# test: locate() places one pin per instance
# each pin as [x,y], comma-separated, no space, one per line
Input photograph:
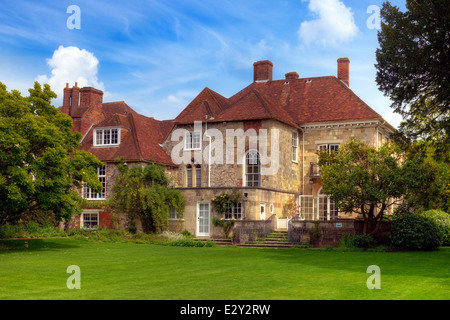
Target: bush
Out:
[415,232]
[362,241]
[8,231]
[191,243]
[442,220]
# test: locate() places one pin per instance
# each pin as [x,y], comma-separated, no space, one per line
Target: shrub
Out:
[442,220]
[414,232]
[362,241]
[191,243]
[8,231]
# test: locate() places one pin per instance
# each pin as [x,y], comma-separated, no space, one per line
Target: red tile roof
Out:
[294,102]
[141,136]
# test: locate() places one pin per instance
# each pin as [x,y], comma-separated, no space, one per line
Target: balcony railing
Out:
[314,170]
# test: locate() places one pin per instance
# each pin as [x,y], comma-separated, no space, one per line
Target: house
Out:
[260,142]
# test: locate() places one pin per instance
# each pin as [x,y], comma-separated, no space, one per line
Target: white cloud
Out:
[334,24]
[70,65]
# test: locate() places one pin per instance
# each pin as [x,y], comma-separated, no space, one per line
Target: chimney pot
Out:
[343,70]
[262,71]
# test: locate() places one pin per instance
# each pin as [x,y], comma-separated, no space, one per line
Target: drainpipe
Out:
[303,160]
[209,151]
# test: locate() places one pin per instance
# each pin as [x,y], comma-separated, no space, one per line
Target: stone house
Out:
[261,142]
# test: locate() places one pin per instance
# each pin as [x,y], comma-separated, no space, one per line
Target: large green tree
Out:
[145,193]
[40,167]
[413,64]
[368,180]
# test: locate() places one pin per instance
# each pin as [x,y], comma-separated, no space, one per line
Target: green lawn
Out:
[156,272]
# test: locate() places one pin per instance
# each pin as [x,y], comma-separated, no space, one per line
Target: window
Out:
[295,146]
[189,175]
[173,214]
[380,139]
[198,176]
[91,194]
[107,137]
[307,207]
[193,140]
[252,169]
[90,220]
[329,148]
[235,212]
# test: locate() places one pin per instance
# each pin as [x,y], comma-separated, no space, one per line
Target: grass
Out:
[36,269]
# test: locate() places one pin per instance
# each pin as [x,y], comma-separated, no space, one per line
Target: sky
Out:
[158,55]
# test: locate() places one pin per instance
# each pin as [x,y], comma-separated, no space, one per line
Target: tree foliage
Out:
[39,163]
[145,193]
[363,180]
[412,68]
[367,180]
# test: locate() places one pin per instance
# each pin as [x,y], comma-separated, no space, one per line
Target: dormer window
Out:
[106,137]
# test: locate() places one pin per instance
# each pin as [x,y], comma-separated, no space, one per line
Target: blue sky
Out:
[158,55]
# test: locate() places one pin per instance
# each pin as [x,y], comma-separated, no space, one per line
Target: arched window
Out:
[189,175]
[252,169]
[198,176]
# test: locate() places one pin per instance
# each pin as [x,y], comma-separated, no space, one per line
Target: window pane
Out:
[114,136]
[106,136]
[189,176]
[198,176]
[99,137]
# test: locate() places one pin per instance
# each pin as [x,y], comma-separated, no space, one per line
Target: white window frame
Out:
[295,146]
[193,140]
[101,134]
[254,165]
[89,194]
[90,213]
[236,212]
[328,147]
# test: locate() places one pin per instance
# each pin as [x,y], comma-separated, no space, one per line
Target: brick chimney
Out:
[262,71]
[91,97]
[291,76]
[343,70]
[71,99]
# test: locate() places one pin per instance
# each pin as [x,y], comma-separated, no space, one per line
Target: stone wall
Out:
[329,233]
[252,230]
[229,172]
[320,233]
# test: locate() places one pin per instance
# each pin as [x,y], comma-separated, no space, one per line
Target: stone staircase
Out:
[276,239]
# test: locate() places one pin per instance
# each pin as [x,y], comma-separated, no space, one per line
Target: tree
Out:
[428,177]
[145,193]
[363,180]
[40,167]
[413,64]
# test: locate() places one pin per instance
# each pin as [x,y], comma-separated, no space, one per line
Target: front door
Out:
[262,211]
[203,216]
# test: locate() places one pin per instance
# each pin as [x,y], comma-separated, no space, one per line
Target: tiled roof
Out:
[294,102]
[141,136]
[207,103]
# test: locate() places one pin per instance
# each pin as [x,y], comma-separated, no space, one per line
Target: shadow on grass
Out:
[17,245]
